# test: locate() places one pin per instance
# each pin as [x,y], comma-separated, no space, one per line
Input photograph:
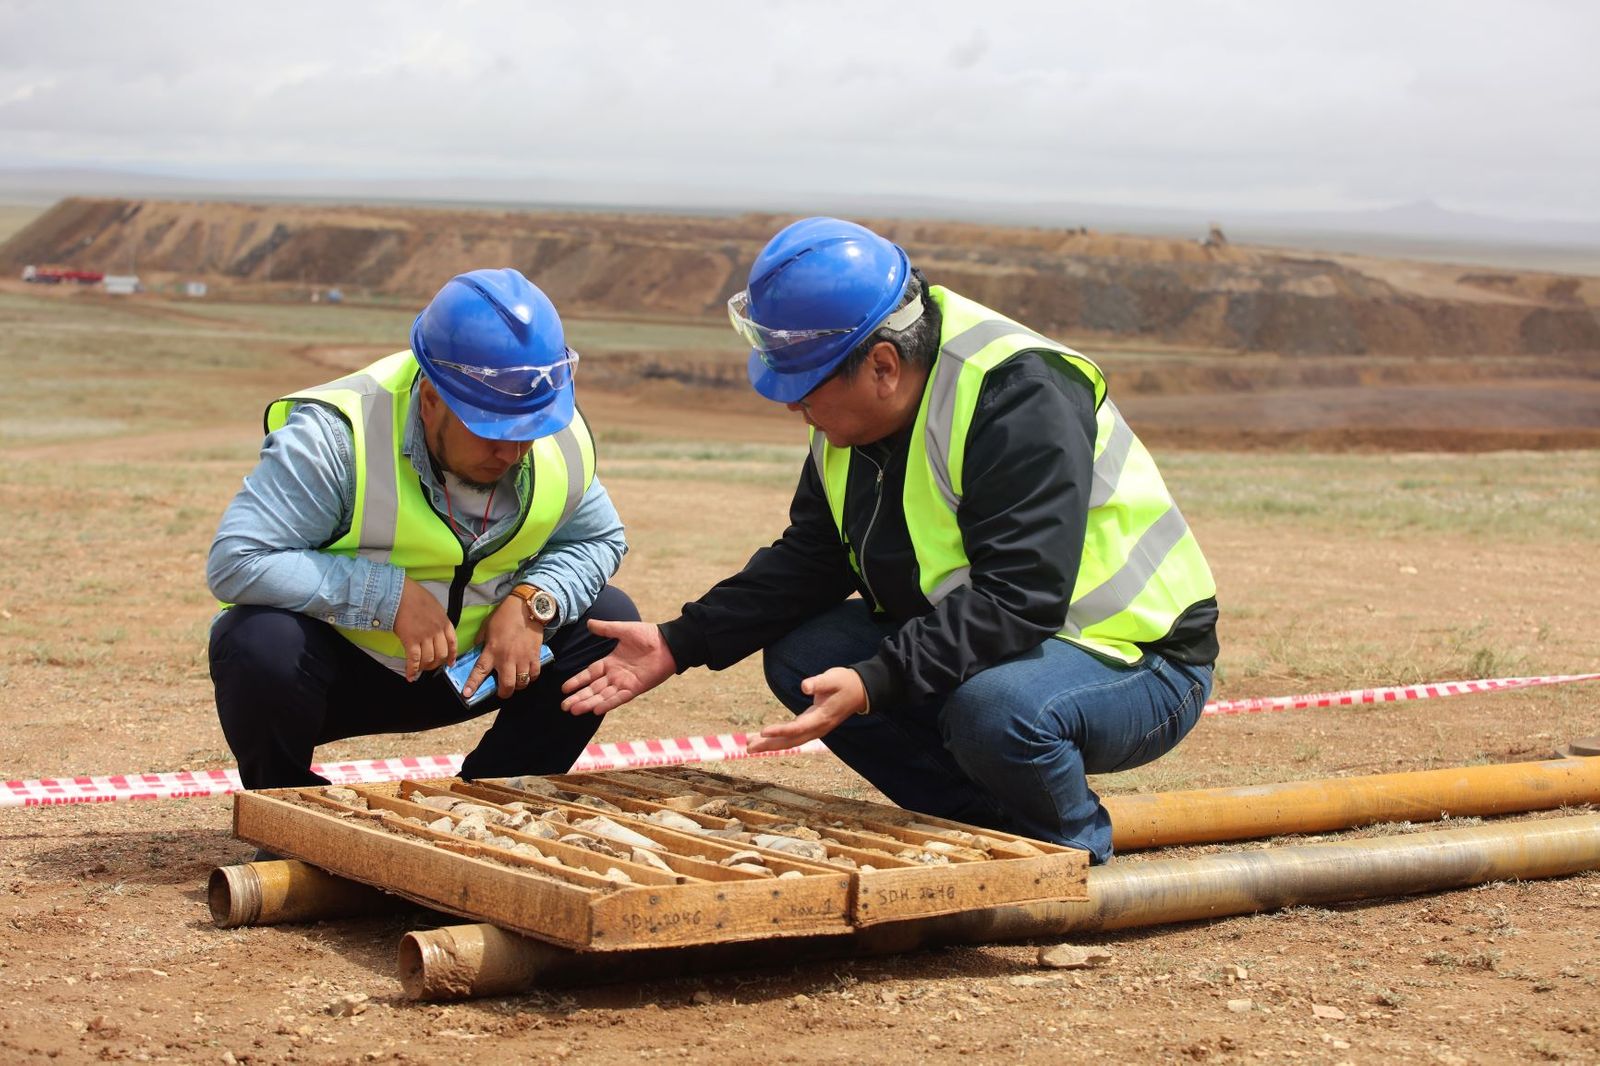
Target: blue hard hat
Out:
[493,346]
[818,289]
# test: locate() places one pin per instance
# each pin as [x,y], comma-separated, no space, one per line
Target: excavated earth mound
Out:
[1207,294]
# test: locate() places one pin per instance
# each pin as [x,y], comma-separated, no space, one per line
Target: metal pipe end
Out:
[429,968]
[234,895]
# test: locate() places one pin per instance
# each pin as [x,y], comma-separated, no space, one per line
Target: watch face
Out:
[544,606]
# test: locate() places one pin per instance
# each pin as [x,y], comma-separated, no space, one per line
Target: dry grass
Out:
[131,422]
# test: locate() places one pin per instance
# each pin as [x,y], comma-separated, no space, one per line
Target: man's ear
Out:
[884,362]
[430,400]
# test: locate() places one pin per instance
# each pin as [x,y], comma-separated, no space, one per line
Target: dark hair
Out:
[917,344]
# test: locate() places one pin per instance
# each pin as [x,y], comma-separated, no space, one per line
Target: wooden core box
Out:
[656,857]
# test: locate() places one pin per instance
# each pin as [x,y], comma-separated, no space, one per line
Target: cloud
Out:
[969,53]
[1481,105]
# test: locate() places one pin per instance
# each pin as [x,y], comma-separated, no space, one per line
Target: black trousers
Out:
[286,682]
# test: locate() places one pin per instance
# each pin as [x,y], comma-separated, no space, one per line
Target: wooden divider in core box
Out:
[906,865]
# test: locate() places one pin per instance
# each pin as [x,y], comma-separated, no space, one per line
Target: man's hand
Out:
[511,643]
[424,630]
[638,663]
[836,694]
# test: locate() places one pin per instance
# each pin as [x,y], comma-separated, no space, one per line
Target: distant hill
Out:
[1422,230]
[1206,294]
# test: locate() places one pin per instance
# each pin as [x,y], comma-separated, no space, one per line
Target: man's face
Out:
[478,461]
[860,408]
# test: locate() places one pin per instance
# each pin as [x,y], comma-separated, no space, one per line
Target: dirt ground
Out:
[1336,571]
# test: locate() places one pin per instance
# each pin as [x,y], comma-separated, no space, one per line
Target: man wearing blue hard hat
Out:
[985,591]
[441,500]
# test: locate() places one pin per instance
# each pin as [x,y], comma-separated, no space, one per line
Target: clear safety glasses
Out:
[519,380]
[763,339]
[769,341]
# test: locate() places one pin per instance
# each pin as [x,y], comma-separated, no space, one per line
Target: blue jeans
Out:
[1010,746]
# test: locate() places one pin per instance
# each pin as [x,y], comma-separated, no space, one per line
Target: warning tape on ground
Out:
[666,751]
[627,754]
[1352,698]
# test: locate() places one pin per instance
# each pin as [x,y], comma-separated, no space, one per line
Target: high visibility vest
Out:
[1141,567]
[394,522]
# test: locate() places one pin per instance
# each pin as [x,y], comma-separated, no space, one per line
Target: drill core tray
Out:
[761,860]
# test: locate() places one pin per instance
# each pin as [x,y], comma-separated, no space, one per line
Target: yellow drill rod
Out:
[1213,815]
[287,890]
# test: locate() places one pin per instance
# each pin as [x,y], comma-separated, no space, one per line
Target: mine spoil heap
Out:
[1208,294]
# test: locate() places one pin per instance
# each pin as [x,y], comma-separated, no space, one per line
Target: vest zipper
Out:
[877,505]
[458,588]
[463,574]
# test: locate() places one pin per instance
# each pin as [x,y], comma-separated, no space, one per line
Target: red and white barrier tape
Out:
[667,751]
[1433,690]
[627,754]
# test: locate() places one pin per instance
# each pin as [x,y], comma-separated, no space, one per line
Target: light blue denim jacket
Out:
[301,496]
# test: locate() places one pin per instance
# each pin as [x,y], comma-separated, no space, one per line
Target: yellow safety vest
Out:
[393,522]
[1141,567]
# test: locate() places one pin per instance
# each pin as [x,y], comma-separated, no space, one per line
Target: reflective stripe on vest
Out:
[393,521]
[1141,566]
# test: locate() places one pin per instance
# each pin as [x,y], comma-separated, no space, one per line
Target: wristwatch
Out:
[542,607]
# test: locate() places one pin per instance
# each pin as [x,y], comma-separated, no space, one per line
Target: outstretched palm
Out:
[638,663]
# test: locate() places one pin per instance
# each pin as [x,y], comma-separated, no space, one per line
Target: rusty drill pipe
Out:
[1214,815]
[287,890]
[460,962]
[1131,895]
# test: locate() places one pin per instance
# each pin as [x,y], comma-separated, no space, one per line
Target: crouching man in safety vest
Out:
[441,499]
[1033,606]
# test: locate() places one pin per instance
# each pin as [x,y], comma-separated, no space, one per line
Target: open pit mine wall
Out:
[1063,282]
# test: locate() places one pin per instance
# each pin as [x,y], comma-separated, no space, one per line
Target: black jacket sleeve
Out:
[1026,479]
[803,572]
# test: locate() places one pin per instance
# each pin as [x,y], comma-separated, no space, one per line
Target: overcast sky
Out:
[1490,107]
